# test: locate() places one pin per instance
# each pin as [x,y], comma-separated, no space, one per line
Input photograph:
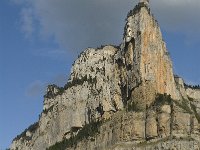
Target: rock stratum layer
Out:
[120,98]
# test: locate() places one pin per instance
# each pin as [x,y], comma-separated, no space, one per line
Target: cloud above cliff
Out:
[35,88]
[38,87]
[77,24]
[178,15]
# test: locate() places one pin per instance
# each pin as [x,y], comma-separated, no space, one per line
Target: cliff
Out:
[120,97]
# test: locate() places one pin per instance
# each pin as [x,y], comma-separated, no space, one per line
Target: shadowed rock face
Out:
[120,85]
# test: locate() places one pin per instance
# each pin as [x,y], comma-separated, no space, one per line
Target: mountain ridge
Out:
[124,97]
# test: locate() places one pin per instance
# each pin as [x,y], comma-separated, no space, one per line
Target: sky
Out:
[40,39]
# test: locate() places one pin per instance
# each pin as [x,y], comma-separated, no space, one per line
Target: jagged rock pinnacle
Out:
[128,94]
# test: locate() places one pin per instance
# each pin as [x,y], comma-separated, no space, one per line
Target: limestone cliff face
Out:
[92,92]
[127,89]
[146,57]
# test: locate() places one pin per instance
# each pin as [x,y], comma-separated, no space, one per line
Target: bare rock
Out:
[118,86]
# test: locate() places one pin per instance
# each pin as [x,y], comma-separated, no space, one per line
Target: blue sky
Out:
[39,41]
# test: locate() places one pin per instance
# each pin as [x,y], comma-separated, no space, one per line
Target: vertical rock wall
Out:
[102,85]
[146,57]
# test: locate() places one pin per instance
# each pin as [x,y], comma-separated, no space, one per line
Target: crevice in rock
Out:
[171,119]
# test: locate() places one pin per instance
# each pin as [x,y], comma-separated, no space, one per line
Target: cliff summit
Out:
[120,98]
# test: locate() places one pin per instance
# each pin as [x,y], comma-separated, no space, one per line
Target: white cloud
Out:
[60,80]
[36,88]
[178,15]
[27,21]
[18,1]
[52,53]
[77,24]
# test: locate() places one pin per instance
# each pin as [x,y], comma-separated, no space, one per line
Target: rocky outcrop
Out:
[92,92]
[162,127]
[146,57]
[193,93]
[118,98]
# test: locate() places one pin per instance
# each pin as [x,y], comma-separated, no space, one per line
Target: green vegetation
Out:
[195,112]
[61,90]
[184,105]
[100,110]
[162,99]
[133,106]
[32,128]
[146,143]
[45,111]
[77,81]
[137,9]
[167,53]
[89,130]
[51,94]
[195,87]
[163,140]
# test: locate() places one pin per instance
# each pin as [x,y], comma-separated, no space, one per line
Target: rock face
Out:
[146,57]
[92,92]
[127,89]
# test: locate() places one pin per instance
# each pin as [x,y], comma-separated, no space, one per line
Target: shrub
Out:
[32,128]
[195,112]
[133,106]
[51,94]
[184,105]
[137,9]
[45,111]
[192,86]
[162,99]
[78,81]
[89,130]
